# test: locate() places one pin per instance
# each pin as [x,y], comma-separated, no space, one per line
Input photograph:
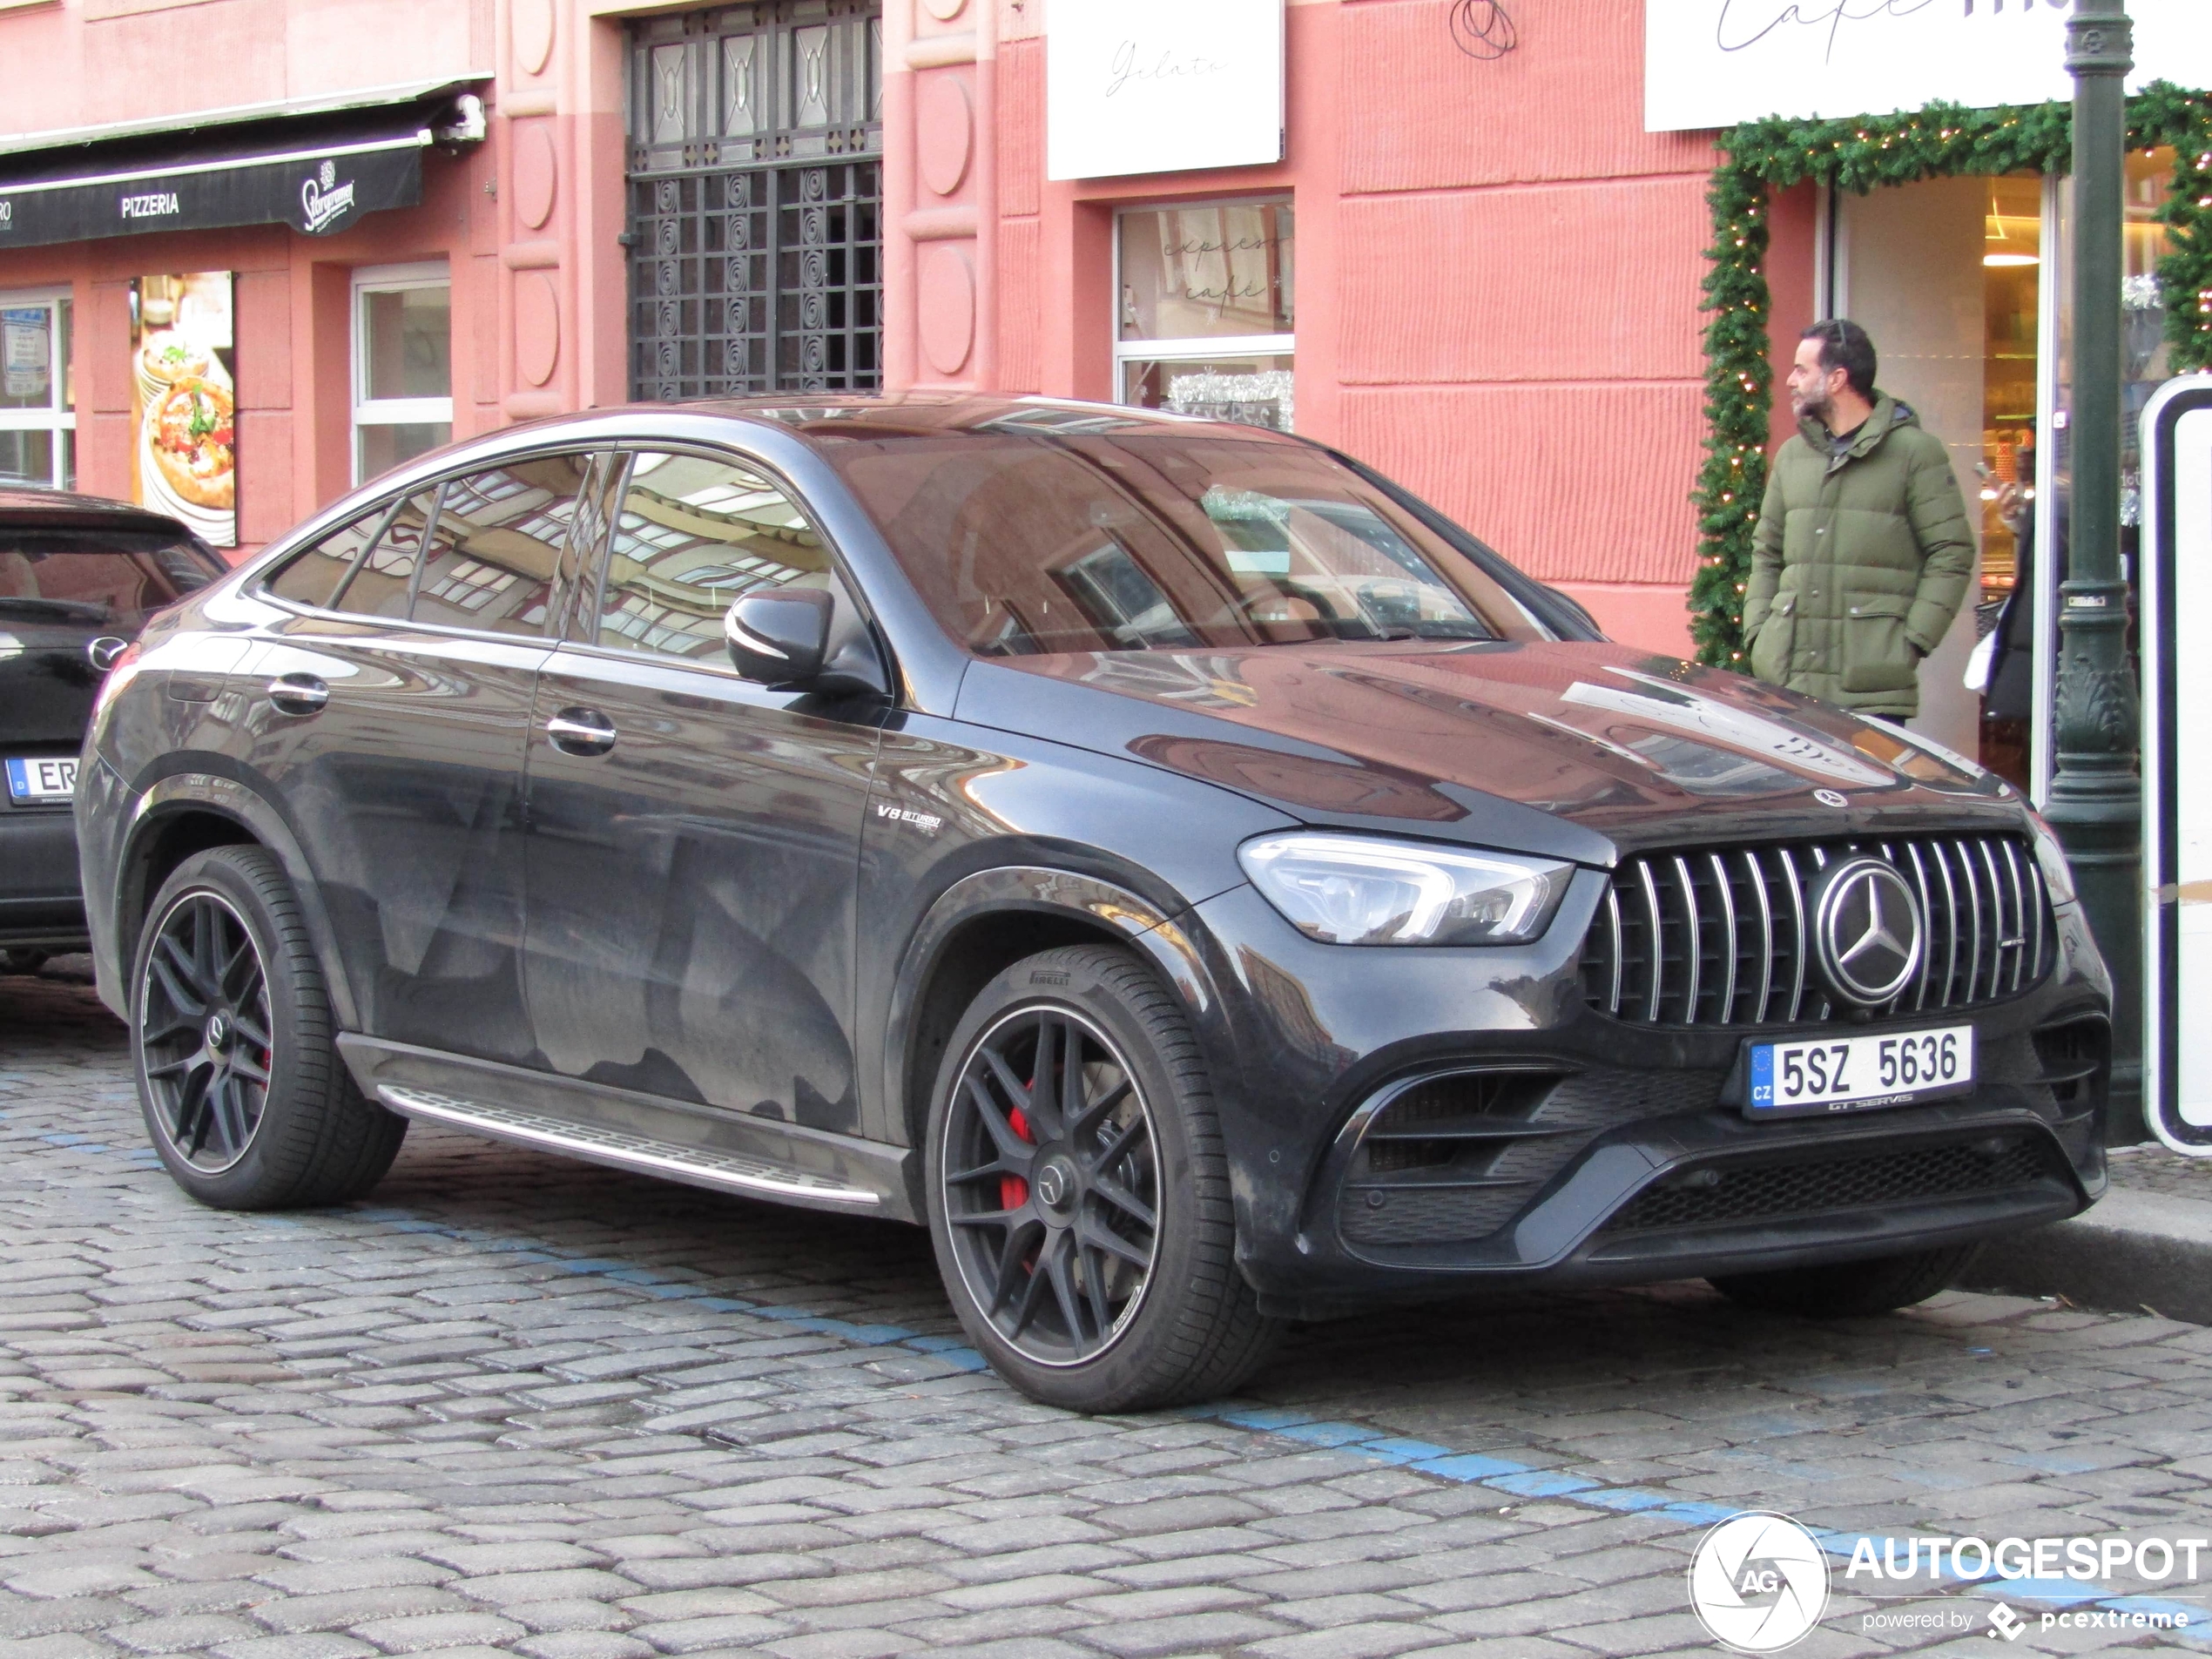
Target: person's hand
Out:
[2013,507]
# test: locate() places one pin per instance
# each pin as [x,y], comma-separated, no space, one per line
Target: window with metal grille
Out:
[755,183]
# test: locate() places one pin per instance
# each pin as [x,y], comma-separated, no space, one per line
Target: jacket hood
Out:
[1889,414]
[1579,751]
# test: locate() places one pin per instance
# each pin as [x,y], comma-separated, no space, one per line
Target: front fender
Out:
[1187,960]
[1042,891]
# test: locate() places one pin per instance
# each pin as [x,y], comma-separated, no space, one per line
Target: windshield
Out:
[1159,541]
[112,579]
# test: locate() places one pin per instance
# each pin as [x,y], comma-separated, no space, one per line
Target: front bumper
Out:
[1603,1152]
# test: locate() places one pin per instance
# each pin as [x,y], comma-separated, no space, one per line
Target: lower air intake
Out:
[1707,1197]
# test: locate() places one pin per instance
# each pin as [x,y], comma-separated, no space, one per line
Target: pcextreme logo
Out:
[1759,1583]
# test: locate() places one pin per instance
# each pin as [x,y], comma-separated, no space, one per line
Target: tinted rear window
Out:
[101,578]
[1157,541]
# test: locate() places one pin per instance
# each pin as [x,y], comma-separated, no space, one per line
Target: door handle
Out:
[297,693]
[581,731]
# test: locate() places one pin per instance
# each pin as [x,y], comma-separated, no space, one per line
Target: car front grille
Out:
[1717,937]
[1706,1197]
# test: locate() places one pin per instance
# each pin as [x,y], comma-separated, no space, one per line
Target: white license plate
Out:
[1859,1074]
[41,777]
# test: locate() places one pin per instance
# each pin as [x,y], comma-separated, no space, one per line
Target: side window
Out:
[311,577]
[379,583]
[497,540]
[693,534]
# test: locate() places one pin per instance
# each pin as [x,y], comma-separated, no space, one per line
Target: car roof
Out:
[822,418]
[54,508]
[936,414]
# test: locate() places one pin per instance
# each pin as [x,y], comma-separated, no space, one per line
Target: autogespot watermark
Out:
[2081,1559]
[1759,1583]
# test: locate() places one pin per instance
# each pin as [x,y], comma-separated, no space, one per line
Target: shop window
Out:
[402,365]
[37,403]
[1207,310]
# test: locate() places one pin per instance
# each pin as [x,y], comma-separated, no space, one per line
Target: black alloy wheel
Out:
[239,1076]
[203,1028]
[1078,1189]
[1051,1186]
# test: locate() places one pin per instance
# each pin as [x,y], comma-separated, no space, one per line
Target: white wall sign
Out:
[2177,763]
[1714,63]
[1162,85]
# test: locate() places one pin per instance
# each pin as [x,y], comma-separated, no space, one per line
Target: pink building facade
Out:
[1496,269]
[1469,265]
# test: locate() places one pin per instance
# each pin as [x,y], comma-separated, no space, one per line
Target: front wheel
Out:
[1079,1193]
[1849,1290]
[238,1075]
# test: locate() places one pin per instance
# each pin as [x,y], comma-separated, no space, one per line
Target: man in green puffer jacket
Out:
[1863,551]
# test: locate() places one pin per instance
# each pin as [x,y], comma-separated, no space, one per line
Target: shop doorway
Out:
[1960,281]
[755,185]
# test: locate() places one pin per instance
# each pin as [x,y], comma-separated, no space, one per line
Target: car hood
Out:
[1580,751]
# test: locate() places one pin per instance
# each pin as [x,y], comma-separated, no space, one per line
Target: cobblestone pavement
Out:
[513,1405]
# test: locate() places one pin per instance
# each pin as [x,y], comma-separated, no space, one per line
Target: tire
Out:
[232,1040]
[1849,1290]
[1039,1219]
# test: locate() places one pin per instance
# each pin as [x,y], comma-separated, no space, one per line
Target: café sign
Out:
[1715,63]
[1137,86]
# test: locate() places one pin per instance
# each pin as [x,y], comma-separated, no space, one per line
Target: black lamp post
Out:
[2096,792]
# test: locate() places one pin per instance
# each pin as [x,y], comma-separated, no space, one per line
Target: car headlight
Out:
[1352,890]
[2058,874]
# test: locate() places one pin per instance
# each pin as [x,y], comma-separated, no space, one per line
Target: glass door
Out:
[1962,283]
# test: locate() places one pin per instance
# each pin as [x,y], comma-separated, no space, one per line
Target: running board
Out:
[698,1166]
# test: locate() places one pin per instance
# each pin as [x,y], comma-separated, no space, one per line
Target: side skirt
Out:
[734,1152]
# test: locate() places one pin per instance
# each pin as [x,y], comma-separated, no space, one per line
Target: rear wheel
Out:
[1849,1290]
[247,1102]
[1079,1194]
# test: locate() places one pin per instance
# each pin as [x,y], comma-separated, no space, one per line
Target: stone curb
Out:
[2133,1251]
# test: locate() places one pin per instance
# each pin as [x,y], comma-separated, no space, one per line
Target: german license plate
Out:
[41,777]
[1860,1074]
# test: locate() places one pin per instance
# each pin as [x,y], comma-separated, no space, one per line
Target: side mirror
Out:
[779,637]
[782,638]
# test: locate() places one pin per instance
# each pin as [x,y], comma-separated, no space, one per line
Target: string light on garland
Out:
[1861,156]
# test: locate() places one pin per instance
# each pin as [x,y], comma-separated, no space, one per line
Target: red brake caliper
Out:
[1014,1190]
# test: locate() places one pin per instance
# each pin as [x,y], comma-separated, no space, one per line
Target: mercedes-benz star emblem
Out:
[1052,1185]
[1831,798]
[1867,931]
[218,1029]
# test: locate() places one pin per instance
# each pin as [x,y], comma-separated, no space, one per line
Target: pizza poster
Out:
[184,451]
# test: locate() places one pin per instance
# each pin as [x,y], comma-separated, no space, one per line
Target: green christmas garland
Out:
[1858,155]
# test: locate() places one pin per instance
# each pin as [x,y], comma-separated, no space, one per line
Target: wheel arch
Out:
[985,923]
[189,812]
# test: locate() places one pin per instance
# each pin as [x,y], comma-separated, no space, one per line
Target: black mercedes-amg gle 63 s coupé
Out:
[1192,876]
